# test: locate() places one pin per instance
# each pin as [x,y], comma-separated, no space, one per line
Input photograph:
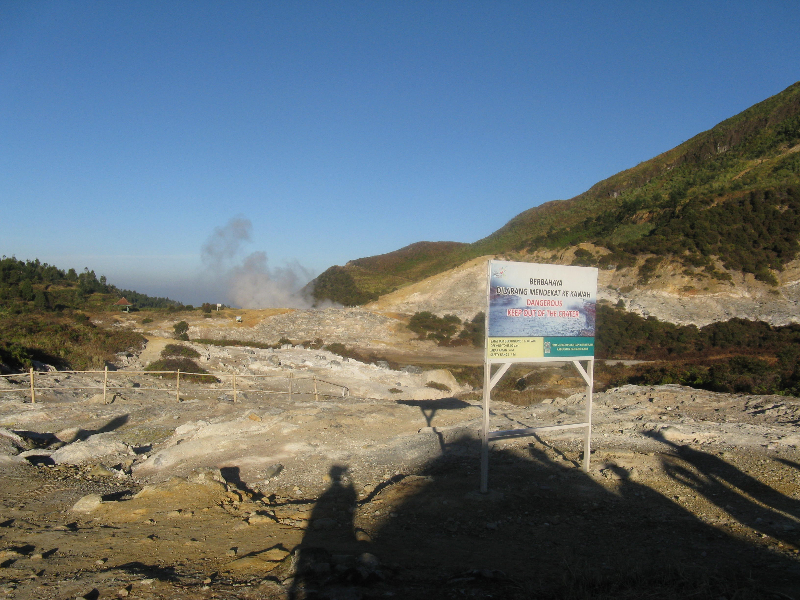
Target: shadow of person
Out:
[742,496]
[550,530]
[331,559]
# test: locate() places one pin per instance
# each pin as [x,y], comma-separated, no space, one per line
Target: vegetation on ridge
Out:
[34,285]
[64,341]
[729,195]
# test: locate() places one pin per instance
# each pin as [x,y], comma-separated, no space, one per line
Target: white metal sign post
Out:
[538,313]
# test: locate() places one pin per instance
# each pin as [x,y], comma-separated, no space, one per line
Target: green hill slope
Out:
[730,194]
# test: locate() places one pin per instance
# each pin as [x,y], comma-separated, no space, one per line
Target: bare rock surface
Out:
[673,295]
[369,487]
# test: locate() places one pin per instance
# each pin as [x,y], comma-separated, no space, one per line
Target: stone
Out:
[324,524]
[369,560]
[209,476]
[69,435]
[259,519]
[101,471]
[93,448]
[362,536]
[273,471]
[100,399]
[274,554]
[87,504]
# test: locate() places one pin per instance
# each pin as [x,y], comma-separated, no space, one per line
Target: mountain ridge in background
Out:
[717,213]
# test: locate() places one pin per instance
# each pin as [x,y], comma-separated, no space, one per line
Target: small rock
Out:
[87,504]
[274,554]
[324,524]
[273,471]
[101,471]
[362,536]
[68,435]
[258,519]
[369,560]
[211,477]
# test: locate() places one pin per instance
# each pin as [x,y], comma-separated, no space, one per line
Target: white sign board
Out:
[540,311]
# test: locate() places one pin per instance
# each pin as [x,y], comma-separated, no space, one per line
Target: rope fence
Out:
[239,383]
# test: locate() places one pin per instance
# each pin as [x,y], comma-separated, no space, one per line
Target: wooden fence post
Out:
[33,393]
[234,387]
[105,384]
[291,381]
[178,386]
[316,396]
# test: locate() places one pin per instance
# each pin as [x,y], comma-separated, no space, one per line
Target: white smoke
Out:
[249,281]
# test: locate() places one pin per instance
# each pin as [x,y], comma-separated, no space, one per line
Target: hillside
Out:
[721,207]
[671,295]
[365,279]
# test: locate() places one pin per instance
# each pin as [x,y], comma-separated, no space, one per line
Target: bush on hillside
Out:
[181,331]
[189,369]
[179,351]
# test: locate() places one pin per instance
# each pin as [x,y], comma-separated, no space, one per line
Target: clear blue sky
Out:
[131,132]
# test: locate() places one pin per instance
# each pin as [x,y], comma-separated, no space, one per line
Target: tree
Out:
[181,331]
[40,301]
[26,290]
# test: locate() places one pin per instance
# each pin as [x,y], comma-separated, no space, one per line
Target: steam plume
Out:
[249,281]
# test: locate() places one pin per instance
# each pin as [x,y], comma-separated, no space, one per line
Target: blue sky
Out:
[132,135]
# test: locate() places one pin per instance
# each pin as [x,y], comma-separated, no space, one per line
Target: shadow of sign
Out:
[429,409]
[550,530]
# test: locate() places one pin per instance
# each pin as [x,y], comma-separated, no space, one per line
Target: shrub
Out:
[432,327]
[583,258]
[437,386]
[179,350]
[181,331]
[189,369]
[71,342]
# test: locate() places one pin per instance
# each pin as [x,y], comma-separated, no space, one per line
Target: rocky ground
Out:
[674,294]
[374,492]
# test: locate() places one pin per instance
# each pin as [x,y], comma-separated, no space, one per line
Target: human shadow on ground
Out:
[740,495]
[549,530]
[330,555]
